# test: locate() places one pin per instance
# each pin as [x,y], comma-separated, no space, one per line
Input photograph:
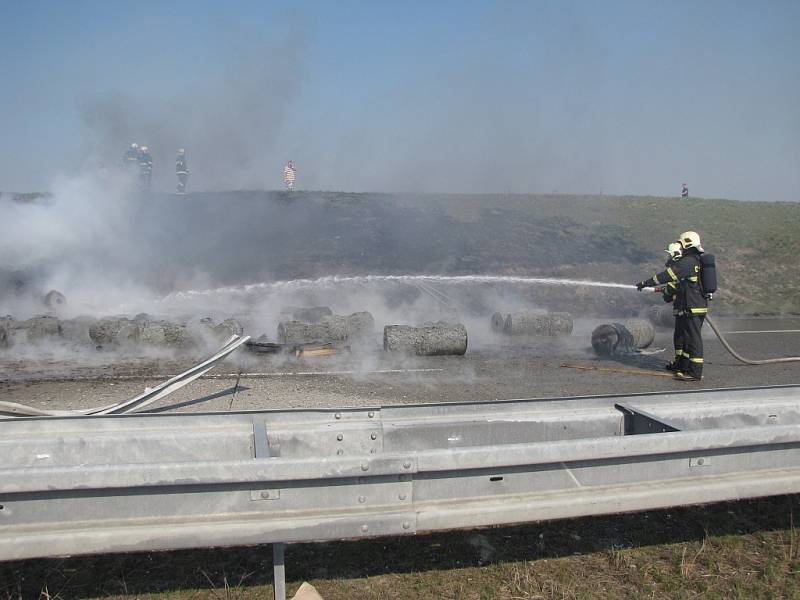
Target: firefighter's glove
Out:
[640,286]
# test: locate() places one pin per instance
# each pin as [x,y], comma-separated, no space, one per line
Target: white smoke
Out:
[81,241]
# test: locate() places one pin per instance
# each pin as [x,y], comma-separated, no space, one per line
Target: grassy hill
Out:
[756,244]
[242,237]
[620,239]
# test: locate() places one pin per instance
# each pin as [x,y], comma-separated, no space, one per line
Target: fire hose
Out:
[739,357]
[736,355]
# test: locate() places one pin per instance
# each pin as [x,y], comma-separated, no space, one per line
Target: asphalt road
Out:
[493,368]
[490,369]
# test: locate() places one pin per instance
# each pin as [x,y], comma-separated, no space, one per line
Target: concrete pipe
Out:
[5,333]
[661,315]
[622,338]
[310,314]
[523,323]
[114,331]
[222,331]
[352,328]
[41,327]
[428,340]
[54,299]
[499,322]
[77,330]
[123,331]
[162,333]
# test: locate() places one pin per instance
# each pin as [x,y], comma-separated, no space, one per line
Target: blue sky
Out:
[580,97]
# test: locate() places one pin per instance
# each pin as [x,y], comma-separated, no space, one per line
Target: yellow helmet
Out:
[674,250]
[690,239]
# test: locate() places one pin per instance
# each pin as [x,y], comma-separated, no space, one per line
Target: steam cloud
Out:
[228,124]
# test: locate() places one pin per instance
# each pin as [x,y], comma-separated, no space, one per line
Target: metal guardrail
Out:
[97,484]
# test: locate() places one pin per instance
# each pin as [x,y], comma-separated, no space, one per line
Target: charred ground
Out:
[231,238]
[308,234]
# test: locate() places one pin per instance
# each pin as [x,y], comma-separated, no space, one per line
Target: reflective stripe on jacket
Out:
[685,272]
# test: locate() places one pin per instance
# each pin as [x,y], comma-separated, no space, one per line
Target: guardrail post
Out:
[279,571]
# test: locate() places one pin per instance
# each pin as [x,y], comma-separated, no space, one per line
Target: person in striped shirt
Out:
[288,175]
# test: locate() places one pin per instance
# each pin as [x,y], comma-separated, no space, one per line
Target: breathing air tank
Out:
[708,273]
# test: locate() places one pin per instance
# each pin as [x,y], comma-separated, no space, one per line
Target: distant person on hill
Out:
[685,191]
[288,175]
[182,172]
[131,157]
[145,167]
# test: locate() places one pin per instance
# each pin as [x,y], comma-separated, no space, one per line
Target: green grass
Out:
[613,238]
[756,244]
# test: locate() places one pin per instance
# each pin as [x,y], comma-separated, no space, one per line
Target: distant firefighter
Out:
[288,175]
[131,157]
[182,171]
[145,167]
[685,191]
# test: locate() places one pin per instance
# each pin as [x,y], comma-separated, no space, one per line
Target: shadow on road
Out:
[222,568]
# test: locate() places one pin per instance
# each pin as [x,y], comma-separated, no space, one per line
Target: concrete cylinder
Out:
[162,333]
[622,338]
[5,333]
[428,340]
[310,314]
[499,322]
[523,323]
[41,327]
[77,330]
[54,299]
[114,331]
[661,315]
[352,328]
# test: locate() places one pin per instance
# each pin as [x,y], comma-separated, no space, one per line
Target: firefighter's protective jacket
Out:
[685,274]
[670,290]
[145,162]
[131,156]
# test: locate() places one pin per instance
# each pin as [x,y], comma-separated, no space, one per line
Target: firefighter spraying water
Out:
[694,280]
[670,295]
